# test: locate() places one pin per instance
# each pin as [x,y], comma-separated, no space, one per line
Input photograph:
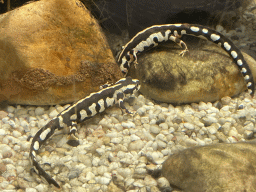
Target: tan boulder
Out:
[206,73]
[52,52]
[221,167]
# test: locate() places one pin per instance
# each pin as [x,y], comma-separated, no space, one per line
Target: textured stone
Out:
[221,167]
[52,52]
[205,73]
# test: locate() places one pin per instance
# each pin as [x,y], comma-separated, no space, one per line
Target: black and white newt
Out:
[80,111]
[154,35]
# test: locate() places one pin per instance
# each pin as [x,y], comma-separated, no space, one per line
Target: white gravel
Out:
[118,149]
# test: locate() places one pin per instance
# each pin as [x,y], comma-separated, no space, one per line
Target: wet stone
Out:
[50,78]
[193,78]
[213,167]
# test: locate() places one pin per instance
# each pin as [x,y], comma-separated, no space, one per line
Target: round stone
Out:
[154,129]
[136,145]
[206,73]
[204,168]
[189,126]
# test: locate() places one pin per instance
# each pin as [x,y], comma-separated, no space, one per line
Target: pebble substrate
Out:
[115,147]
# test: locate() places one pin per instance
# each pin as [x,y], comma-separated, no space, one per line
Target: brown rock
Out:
[52,52]
[204,74]
[221,167]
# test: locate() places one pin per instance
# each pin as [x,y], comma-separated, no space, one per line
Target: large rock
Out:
[214,168]
[206,73]
[52,52]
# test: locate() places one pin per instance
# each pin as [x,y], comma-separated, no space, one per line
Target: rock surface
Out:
[221,167]
[52,52]
[205,73]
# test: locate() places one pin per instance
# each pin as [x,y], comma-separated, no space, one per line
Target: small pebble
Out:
[16,134]
[225,100]
[4,114]
[102,180]
[134,137]
[30,190]
[190,142]
[11,109]
[189,126]
[53,114]
[212,130]
[141,111]
[154,129]
[128,124]
[163,126]
[2,132]
[39,111]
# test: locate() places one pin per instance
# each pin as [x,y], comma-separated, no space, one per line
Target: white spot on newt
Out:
[195,29]
[205,30]
[239,62]
[36,146]
[227,46]
[110,101]
[234,54]
[215,37]
[44,134]
[101,103]
[83,114]
[93,109]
